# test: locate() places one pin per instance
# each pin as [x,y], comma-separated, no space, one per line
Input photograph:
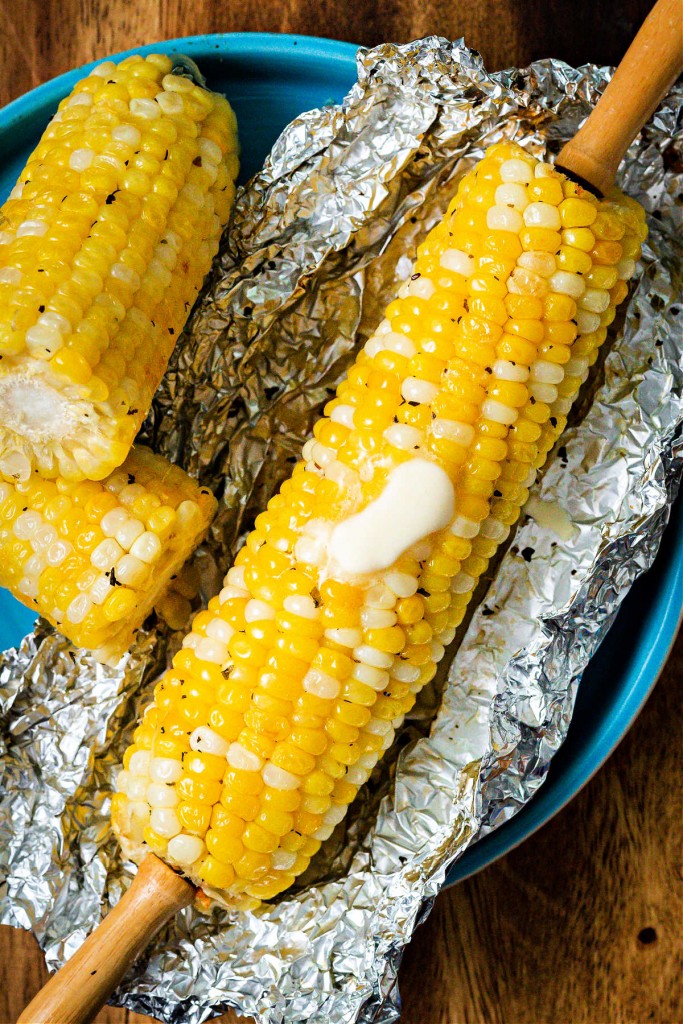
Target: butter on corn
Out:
[94,558]
[104,244]
[293,682]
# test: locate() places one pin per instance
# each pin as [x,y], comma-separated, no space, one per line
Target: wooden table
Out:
[581,924]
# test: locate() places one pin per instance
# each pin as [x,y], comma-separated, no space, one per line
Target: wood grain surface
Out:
[581,924]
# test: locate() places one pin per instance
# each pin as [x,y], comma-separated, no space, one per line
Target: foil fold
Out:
[319,240]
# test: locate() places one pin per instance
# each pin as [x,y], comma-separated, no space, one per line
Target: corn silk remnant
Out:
[321,239]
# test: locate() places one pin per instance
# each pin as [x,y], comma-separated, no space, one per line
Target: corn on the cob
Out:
[94,557]
[104,244]
[292,684]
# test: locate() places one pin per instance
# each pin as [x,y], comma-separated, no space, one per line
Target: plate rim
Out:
[254,43]
[666,612]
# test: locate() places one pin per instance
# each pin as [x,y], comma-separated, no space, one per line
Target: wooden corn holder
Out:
[649,68]
[82,986]
[75,994]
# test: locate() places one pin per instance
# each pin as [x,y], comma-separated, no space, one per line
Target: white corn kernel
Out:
[494,529]
[626,269]
[235,578]
[26,524]
[543,392]
[379,596]
[538,262]
[377,618]
[239,757]
[165,822]
[278,778]
[345,637]
[377,727]
[566,283]
[165,769]
[402,436]
[512,194]
[458,262]
[207,741]
[596,300]
[301,604]
[57,552]
[515,170]
[212,651]
[462,583]
[415,390]
[587,322]
[464,527]
[139,762]
[502,218]
[36,228]
[357,775]
[343,414]
[546,372]
[257,611]
[78,609]
[161,795]
[391,342]
[219,629]
[145,108]
[170,102]
[453,430]
[421,288]
[147,547]
[137,787]
[503,369]
[320,684]
[283,860]
[185,849]
[81,159]
[404,671]
[309,550]
[542,215]
[377,678]
[402,583]
[113,520]
[127,133]
[498,412]
[100,590]
[368,655]
[131,571]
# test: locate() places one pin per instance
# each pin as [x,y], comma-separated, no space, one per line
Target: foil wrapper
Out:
[319,240]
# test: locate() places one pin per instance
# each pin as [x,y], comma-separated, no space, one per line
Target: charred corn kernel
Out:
[312,665]
[108,236]
[85,562]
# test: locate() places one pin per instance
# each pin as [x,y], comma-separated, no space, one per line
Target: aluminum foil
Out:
[318,242]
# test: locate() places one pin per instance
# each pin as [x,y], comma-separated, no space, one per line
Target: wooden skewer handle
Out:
[650,66]
[75,993]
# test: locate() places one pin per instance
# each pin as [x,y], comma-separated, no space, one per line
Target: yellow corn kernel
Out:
[216,873]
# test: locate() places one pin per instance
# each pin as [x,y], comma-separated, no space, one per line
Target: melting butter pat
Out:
[551,516]
[418,499]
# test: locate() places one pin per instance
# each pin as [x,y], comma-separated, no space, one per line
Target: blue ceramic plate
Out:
[269,80]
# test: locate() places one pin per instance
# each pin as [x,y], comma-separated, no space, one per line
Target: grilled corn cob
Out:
[104,244]
[292,683]
[94,557]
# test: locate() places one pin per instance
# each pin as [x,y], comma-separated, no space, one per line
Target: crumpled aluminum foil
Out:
[319,239]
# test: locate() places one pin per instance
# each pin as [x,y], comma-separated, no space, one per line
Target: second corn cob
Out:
[338,609]
[104,244]
[94,558]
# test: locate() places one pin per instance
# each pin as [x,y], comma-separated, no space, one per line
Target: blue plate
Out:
[269,80]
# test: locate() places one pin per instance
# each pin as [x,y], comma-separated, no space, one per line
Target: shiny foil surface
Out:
[319,240]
